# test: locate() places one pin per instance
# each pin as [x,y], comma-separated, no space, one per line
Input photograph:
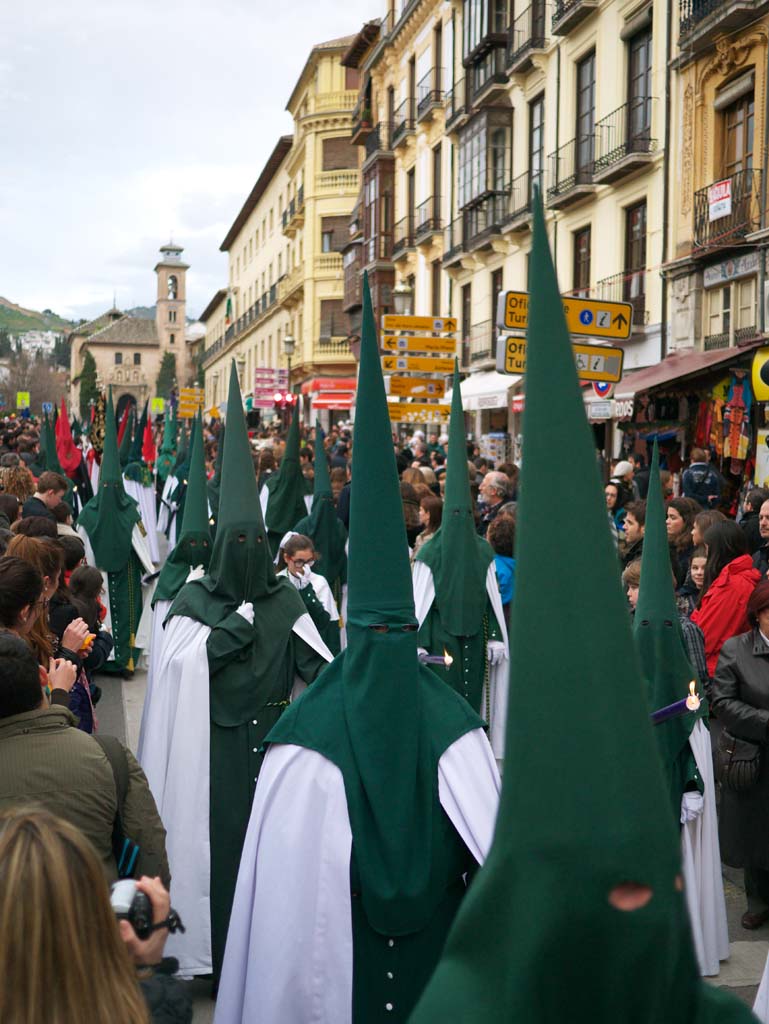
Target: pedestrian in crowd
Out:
[493,493]
[65,899]
[35,526]
[438,463]
[339,457]
[751,508]
[512,472]
[631,581]
[431,480]
[86,593]
[267,466]
[740,700]
[412,475]
[688,595]
[10,510]
[501,537]
[761,557]
[640,474]
[701,481]
[51,488]
[702,521]
[15,478]
[615,504]
[633,526]
[410,503]
[730,579]
[296,560]
[680,519]
[62,513]
[430,516]
[338,478]
[623,478]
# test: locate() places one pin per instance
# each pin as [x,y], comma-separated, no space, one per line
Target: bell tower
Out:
[171,310]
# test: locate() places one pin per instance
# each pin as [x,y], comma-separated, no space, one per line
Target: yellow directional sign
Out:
[594,362]
[418,412]
[592,317]
[418,343]
[424,386]
[393,322]
[392,364]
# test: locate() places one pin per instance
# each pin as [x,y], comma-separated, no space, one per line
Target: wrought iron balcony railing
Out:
[528,33]
[453,241]
[627,286]
[429,92]
[571,166]
[428,219]
[403,121]
[727,210]
[625,132]
[378,141]
[403,235]
[456,103]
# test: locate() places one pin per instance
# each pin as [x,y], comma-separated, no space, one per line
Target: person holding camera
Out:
[65,915]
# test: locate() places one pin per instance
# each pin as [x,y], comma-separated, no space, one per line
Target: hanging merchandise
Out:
[737,432]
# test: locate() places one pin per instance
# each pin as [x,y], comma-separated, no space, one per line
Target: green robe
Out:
[327,627]
[124,593]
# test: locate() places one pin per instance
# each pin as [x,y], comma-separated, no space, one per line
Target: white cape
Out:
[167,512]
[289,947]
[264,501]
[326,598]
[159,613]
[499,674]
[761,1005]
[176,755]
[145,499]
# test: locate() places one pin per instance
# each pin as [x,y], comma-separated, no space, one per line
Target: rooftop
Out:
[268,172]
[128,330]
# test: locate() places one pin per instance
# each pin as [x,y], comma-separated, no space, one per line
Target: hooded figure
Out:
[579,913]
[215,483]
[684,742]
[377,795]
[114,537]
[188,559]
[167,453]
[324,527]
[282,497]
[49,459]
[313,589]
[237,643]
[139,484]
[127,440]
[457,597]
[96,430]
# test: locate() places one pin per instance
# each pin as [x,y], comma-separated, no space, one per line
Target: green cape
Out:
[124,451]
[167,453]
[323,525]
[110,516]
[458,558]
[193,545]
[285,505]
[379,715]
[584,806]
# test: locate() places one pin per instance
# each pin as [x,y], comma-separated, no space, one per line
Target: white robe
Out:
[264,501]
[159,613]
[499,674]
[145,499]
[702,867]
[761,1005]
[175,758]
[167,512]
[323,593]
[288,958]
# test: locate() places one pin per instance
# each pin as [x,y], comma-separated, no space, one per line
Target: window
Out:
[339,154]
[334,233]
[118,359]
[484,157]
[738,122]
[731,314]
[581,275]
[536,142]
[639,90]
[172,316]
[480,19]
[272,222]
[585,114]
[496,289]
[351,78]
[137,358]
[332,318]
[467,306]
[411,192]
[634,281]
[719,317]
[435,270]
[171,339]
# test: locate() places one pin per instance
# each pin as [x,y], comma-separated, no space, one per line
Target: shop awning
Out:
[332,400]
[679,366]
[486,390]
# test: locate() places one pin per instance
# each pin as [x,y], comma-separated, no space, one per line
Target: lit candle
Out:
[445,659]
[681,707]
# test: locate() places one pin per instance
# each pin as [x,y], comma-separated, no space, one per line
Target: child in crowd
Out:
[86,585]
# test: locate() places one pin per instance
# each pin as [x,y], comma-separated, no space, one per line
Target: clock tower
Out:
[171,314]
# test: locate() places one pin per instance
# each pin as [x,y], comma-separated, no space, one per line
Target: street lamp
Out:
[289,347]
[402,298]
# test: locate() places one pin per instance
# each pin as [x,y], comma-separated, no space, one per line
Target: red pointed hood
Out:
[148,444]
[69,454]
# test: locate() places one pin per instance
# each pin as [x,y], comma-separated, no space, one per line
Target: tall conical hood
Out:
[70,456]
[215,483]
[166,456]
[135,451]
[664,661]
[380,716]
[584,806]
[193,545]
[110,516]
[323,525]
[458,558]
[285,506]
[124,451]
[51,459]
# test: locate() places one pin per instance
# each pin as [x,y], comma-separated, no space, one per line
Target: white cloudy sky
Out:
[122,121]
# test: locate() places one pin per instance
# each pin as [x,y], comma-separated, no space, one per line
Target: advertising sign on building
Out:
[719,199]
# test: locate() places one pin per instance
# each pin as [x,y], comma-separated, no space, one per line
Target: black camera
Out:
[132,905]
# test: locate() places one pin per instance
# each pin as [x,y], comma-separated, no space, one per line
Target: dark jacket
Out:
[35,507]
[749,526]
[761,559]
[43,759]
[632,553]
[168,1000]
[701,482]
[740,699]
[488,514]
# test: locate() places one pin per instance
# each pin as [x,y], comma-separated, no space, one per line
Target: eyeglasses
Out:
[300,563]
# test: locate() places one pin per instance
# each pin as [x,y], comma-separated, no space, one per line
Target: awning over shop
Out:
[486,390]
[330,392]
[679,366]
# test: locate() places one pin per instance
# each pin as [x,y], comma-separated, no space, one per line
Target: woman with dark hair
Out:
[729,581]
[740,698]
[36,526]
[703,521]
[430,516]
[501,536]
[679,522]
[296,557]
[410,503]
[10,510]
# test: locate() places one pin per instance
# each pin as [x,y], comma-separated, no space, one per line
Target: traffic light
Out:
[284,399]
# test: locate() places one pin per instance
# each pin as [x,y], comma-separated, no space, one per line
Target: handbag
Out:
[738,762]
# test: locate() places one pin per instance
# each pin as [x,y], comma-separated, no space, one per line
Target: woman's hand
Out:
[149,951]
[74,635]
[61,674]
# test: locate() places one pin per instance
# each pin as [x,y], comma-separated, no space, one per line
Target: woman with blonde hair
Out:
[55,913]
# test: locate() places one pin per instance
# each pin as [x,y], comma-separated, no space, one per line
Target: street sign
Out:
[424,386]
[158,406]
[22,399]
[594,362]
[418,343]
[592,317]
[263,403]
[602,388]
[417,412]
[391,364]
[393,322]
[48,407]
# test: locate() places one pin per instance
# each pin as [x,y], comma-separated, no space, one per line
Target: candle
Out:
[680,707]
[445,660]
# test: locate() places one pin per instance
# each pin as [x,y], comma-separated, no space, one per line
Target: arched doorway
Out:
[125,401]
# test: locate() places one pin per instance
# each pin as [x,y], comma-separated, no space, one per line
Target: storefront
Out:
[487,398]
[328,399]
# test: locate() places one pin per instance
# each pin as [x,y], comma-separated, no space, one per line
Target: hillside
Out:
[17,319]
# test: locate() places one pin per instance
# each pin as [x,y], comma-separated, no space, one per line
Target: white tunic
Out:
[289,947]
[145,499]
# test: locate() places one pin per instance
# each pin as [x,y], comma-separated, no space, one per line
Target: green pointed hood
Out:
[458,558]
[110,516]
[124,452]
[323,525]
[135,452]
[584,806]
[379,715]
[50,460]
[664,661]
[285,506]
[166,455]
[193,545]
[215,483]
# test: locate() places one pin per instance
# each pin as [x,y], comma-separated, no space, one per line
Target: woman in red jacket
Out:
[729,581]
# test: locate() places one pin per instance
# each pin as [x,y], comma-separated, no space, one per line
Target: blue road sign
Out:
[586,317]
[48,407]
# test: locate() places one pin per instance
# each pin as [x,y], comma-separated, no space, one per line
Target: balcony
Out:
[291,286]
[293,215]
[378,248]
[428,221]
[488,78]
[528,35]
[429,94]
[571,173]
[453,243]
[337,183]
[623,141]
[627,286]
[519,213]
[403,237]
[482,343]
[362,123]
[403,122]
[457,108]
[378,142]
[701,20]
[483,221]
[353,285]
[724,216]
[570,13]
[328,264]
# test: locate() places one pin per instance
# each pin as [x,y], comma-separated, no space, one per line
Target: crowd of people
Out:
[341,639]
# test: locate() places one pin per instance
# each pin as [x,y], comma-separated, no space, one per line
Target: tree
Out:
[61,352]
[5,343]
[166,381]
[88,388]
[43,383]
